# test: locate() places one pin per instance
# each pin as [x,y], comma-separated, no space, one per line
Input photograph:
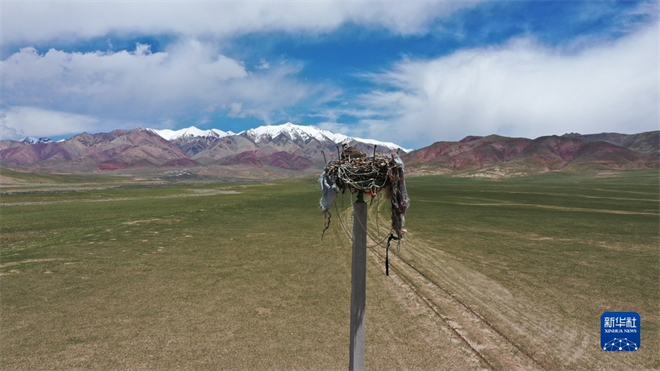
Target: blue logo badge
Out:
[620,331]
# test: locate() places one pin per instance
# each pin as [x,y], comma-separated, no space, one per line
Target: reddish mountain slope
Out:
[33,153]
[551,153]
[608,155]
[520,154]
[468,154]
[115,150]
[285,160]
[647,143]
[4,144]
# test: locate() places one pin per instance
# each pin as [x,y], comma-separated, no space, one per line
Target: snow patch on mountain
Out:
[268,132]
[192,131]
[294,132]
[305,133]
[33,140]
[389,145]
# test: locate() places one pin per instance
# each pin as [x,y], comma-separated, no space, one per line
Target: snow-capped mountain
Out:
[306,133]
[308,142]
[290,147]
[192,140]
[190,132]
[294,132]
[266,133]
[293,148]
[33,140]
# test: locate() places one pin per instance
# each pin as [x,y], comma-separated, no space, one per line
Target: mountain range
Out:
[288,146]
[494,155]
[293,148]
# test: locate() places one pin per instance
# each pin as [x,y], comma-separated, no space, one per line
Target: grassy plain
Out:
[541,258]
[235,276]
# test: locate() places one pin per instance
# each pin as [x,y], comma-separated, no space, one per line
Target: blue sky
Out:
[408,72]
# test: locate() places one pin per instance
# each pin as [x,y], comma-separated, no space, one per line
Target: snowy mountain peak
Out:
[294,132]
[192,131]
[268,132]
[33,140]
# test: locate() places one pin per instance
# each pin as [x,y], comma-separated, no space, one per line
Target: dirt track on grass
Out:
[498,331]
[485,343]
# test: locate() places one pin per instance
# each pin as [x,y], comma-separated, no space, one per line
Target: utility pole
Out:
[358,284]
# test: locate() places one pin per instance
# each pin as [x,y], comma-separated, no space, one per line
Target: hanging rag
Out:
[400,199]
[329,190]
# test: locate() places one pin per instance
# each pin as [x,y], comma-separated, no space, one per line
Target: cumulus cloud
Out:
[190,76]
[19,122]
[520,89]
[59,20]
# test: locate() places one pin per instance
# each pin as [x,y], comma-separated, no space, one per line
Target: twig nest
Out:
[355,171]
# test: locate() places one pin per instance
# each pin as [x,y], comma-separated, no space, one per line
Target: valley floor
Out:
[493,275]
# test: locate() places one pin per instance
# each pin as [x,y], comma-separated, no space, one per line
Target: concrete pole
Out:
[358,284]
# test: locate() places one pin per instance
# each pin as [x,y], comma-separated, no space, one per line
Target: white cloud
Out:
[521,89]
[235,109]
[263,64]
[190,76]
[88,19]
[18,122]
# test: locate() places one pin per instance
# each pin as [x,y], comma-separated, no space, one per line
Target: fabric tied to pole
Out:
[329,191]
[400,199]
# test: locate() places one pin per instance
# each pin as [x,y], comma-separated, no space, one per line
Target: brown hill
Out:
[511,156]
[646,143]
[108,151]
[122,149]
[282,160]
[225,147]
[605,154]
[470,153]
[285,160]
[194,145]
[4,144]
[34,153]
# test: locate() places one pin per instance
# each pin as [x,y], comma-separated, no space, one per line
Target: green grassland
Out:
[564,249]
[236,276]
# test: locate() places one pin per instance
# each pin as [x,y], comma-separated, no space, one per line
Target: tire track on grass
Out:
[529,361]
[432,307]
[422,279]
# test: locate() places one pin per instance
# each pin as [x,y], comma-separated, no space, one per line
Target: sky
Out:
[408,72]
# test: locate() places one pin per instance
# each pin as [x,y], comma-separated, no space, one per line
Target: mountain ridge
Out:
[302,149]
[494,156]
[646,142]
[309,142]
[268,132]
[287,146]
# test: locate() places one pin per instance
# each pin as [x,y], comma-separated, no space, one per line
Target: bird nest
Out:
[355,171]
